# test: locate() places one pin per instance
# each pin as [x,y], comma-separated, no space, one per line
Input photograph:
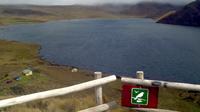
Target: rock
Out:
[74,70]
[17,78]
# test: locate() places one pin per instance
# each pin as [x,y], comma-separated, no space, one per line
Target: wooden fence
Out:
[97,84]
[155,83]
[62,91]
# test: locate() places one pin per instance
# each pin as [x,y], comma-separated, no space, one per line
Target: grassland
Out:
[16,57]
[18,20]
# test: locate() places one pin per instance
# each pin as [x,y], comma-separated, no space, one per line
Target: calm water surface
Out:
[121,47]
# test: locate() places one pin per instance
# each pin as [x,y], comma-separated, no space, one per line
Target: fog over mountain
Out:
[88,2]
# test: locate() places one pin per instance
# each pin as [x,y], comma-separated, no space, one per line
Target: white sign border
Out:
[147,96]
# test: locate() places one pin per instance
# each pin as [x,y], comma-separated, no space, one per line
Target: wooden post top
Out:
[140,75]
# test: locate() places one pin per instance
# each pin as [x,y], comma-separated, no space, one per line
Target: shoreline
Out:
[41,65]
[35,21]
[45,61]
[60,65]
[68,19]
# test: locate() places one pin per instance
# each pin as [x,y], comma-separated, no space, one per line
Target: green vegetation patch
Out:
[17,20]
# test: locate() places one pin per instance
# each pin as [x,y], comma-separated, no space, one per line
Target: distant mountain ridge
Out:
[142,9]
[46,13]
[188,15]
[150,9]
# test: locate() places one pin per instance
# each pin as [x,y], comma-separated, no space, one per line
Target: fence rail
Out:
[57,92]
[165,84]
[101,108]
[151,110]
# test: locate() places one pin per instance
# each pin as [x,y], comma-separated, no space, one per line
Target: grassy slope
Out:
[18,20]
[7,20]
[54,13]
[17,56]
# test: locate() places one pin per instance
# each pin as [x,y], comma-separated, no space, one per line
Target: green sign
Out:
[139,96]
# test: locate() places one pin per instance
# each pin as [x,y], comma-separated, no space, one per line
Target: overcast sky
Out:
[84,2]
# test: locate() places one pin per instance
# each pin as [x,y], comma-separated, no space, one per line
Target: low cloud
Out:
[87,2]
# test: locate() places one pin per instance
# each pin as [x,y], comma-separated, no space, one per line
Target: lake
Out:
[117,46]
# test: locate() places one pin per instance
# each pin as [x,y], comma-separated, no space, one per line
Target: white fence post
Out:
[140,75]
[98,90]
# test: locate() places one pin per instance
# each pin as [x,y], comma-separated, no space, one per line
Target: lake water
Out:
[121,46]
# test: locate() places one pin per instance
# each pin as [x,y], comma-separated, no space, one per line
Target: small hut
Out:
[27,72]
